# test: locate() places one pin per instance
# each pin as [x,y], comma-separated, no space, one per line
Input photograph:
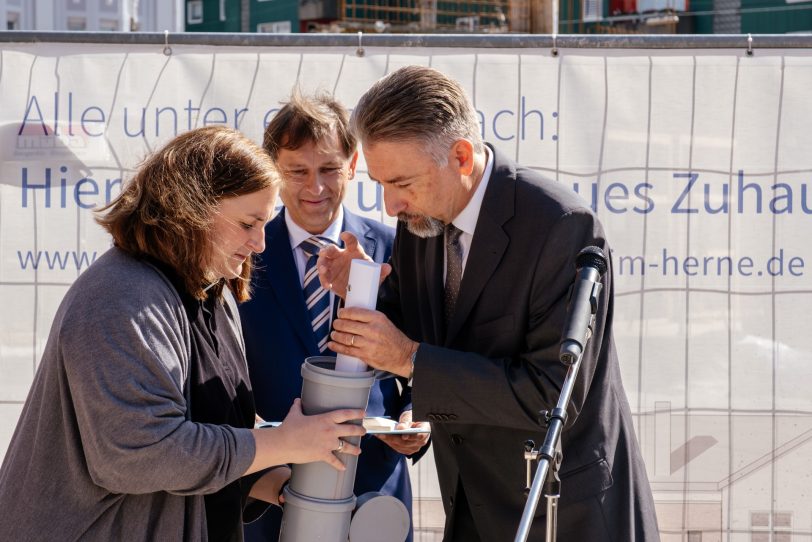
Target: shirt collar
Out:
[297,234]
[466,220]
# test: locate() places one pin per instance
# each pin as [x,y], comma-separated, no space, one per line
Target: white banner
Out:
[699,164]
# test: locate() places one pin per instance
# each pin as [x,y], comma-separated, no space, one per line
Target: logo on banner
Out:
[47,136]
[57,141]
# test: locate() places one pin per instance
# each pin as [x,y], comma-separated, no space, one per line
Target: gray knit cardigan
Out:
[104,448]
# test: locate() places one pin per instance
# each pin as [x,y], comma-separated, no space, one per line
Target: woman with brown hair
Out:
[139,423]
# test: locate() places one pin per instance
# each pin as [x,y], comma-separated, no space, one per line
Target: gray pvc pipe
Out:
[315,520]
[325,389]
[319,500]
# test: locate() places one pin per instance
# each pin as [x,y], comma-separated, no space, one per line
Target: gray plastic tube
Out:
[319,499]
[315,520]
[379,518]
[325,389]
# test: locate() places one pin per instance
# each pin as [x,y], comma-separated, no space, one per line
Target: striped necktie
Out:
[317,298]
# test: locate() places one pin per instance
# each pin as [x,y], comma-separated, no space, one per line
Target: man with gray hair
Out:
[472,313]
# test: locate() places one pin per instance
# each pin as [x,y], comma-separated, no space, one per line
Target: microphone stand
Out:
[549,455]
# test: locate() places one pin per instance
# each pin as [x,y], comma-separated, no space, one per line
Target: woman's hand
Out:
[305,439]
[269,487]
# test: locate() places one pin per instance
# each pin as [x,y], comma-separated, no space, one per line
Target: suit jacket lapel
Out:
[284,280]
[489,242]
[357,227]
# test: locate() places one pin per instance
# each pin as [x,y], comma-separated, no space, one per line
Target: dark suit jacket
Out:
[278,338]
[483,381]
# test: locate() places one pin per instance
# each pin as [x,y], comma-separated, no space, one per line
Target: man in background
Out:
[289,316]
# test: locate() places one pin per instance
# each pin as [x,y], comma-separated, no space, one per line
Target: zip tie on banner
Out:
[167,48]
[554,50]
[749,45]
[360,50]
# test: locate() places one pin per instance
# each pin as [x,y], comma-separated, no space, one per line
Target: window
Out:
[592,10]
[12,20]
[108,25]
[470,24]
[782,527]
[194,11]
[277,27]
[77,23]
[782,520]
[222,10]
[763,523]
[76,4]
[109,6]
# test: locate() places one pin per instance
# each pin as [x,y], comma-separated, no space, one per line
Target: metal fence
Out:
[478,41]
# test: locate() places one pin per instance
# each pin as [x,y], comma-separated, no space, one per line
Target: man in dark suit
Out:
[289,316]
[472,312]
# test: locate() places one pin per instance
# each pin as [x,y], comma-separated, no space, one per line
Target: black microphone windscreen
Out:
[591,257]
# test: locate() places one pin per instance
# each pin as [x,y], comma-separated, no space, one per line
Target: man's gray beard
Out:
[421,225]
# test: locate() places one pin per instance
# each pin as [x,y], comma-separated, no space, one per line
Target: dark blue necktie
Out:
[317,298]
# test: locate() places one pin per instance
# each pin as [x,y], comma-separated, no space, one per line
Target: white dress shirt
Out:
[467,219]
[297,234]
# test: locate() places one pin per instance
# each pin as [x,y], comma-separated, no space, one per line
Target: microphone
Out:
[590,265]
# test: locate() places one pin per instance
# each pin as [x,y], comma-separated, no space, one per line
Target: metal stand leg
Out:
[581,310]
[552,492]
[549,458]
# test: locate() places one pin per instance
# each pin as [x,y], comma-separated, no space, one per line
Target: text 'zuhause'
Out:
[60,116]
[688,194]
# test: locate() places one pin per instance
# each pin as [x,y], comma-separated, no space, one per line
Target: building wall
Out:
[755,16]
[160,15]
[284,13]
[794,16]
[91,15]
[713,16]
[218,16]
[15,15]
[226,16]
[727,19]
[702,24]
